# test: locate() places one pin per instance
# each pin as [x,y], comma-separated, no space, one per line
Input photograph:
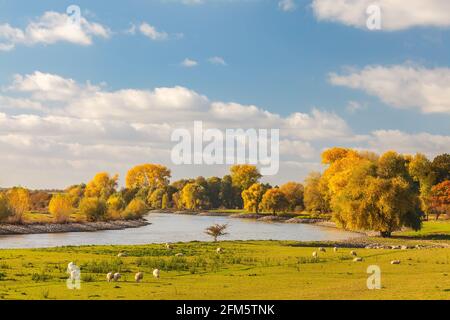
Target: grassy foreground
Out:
[245,270]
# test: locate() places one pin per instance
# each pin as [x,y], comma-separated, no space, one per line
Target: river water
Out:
[179,228]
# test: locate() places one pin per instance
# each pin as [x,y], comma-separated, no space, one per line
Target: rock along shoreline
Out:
[37,228]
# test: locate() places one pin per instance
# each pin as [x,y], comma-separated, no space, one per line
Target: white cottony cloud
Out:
[151,32]
[217,60]
[402,86]
[50,28]
[287,5]
[189,63]
[395,14]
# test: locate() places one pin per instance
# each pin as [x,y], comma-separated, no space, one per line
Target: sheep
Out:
[70,267]
[322,249]
[168,246]
[315,255]
[109,277]
[357,259]
[117,276]
[179,255]
[219,250]
[156,273]
[139,276]
[353,253]
[335,249]
[395,262]
[121,254]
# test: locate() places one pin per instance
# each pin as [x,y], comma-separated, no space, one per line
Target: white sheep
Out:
[139,276]
[156,273]
[358,259]
[109,277]
[335,249]
[179,255]
[121,254]
[353,253]
[168,246]
[395,262]
[70,267]
[219,250]
[315,255]
[322,249]
[117,276]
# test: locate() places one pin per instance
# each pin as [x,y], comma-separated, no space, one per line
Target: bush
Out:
[61,208]
[135,209]
[94,209]
[5,208]
[115,204]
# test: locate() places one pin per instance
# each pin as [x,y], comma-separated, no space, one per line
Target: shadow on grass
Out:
[437,236]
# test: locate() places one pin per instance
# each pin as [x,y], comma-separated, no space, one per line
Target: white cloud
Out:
[151,32]
[50,28]
[189,63]
[402,86]
[287,5]
[217,60]
[395,14]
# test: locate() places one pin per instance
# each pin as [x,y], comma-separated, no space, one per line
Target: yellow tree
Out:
[194,196]
[102,186]
[274,201]
[294,193]
[314,199]
[61,208]
[150,176]
[244,176]
[5,208]
[19,201]
[253,196]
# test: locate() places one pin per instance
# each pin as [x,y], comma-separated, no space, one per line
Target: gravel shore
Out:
[9,229]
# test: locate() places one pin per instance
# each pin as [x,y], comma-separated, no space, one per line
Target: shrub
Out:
[5,208]
[135,209]
[116,204]
[94,209]
[61,208]
[19,201]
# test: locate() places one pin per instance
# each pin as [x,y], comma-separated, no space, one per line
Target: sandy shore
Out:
[9,229]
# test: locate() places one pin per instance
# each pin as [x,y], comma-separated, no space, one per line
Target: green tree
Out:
[213,189]
[421,170]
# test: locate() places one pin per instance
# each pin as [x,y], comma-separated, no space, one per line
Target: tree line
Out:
[360,190]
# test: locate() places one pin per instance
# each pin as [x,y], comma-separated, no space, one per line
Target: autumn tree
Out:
[61,208]
[314,199]
[294,193]
[155,199]
[440,199]
[19,202]
[149,176]
[253,196]
[115,204]
[213,190]
[94,209]
[135,209]
[274,201]
[76,193]
[5,208]
[101,186]
[243,176]
[194,197]
[421,170]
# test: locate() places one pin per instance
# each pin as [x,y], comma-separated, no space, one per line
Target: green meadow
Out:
[244,270]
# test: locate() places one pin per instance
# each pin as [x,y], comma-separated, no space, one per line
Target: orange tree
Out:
[440,198]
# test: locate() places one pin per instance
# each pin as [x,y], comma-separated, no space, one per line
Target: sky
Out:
[106,94]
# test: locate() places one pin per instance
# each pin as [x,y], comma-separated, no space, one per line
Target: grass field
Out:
[245,270]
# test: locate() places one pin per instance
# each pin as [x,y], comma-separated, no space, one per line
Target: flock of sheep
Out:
[73,271]
[352,253]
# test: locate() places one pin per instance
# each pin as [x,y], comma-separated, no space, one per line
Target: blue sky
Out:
[277,60]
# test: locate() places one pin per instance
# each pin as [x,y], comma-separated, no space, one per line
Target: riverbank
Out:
[37,228]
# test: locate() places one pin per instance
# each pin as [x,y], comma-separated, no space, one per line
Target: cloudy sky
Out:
[107,93]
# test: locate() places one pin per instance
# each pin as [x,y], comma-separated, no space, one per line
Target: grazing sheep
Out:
[109,277]
[322,249]
[168,246]
[358,259]
[117,276]
[395,262]
[315,255]
[179,255]
[335,249]
[121,254]
[353,253]
[139,276]
[156,273]
[219,250]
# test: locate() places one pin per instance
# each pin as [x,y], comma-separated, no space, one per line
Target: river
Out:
[179,228]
